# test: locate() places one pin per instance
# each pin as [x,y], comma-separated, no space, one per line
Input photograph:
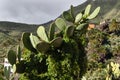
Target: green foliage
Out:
[61,57]
[103,47]
[98,74]
[114,44]
[114,27]
[110,72]
[98,45]
[113,71]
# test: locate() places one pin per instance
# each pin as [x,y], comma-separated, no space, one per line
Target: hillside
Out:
[20,27]
[109,10]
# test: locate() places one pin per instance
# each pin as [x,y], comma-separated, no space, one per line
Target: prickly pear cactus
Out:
[58,56]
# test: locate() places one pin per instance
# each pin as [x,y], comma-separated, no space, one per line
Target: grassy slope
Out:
[114,13]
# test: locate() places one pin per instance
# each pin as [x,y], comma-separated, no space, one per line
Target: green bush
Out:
[110,72]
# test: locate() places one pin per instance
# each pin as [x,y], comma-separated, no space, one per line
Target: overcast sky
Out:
[34,11]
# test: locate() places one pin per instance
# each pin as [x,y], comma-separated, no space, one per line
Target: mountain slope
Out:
[109,9]
[10,26]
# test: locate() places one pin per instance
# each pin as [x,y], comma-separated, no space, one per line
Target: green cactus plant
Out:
[34,40]
[12,57]
[52,31]
[56,42]
[78,17]
[69,15]
[19,53]
[14,68]
[42,34]
[42,46]
[60,24]
[7,73]
[82,26]
[72,12]
[87,10]
[20,67]
[69,31]
[61,57]
[42,42]
[27,43]
[85,14]
[94,13]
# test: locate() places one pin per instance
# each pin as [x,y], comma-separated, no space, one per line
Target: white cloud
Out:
[34,11]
